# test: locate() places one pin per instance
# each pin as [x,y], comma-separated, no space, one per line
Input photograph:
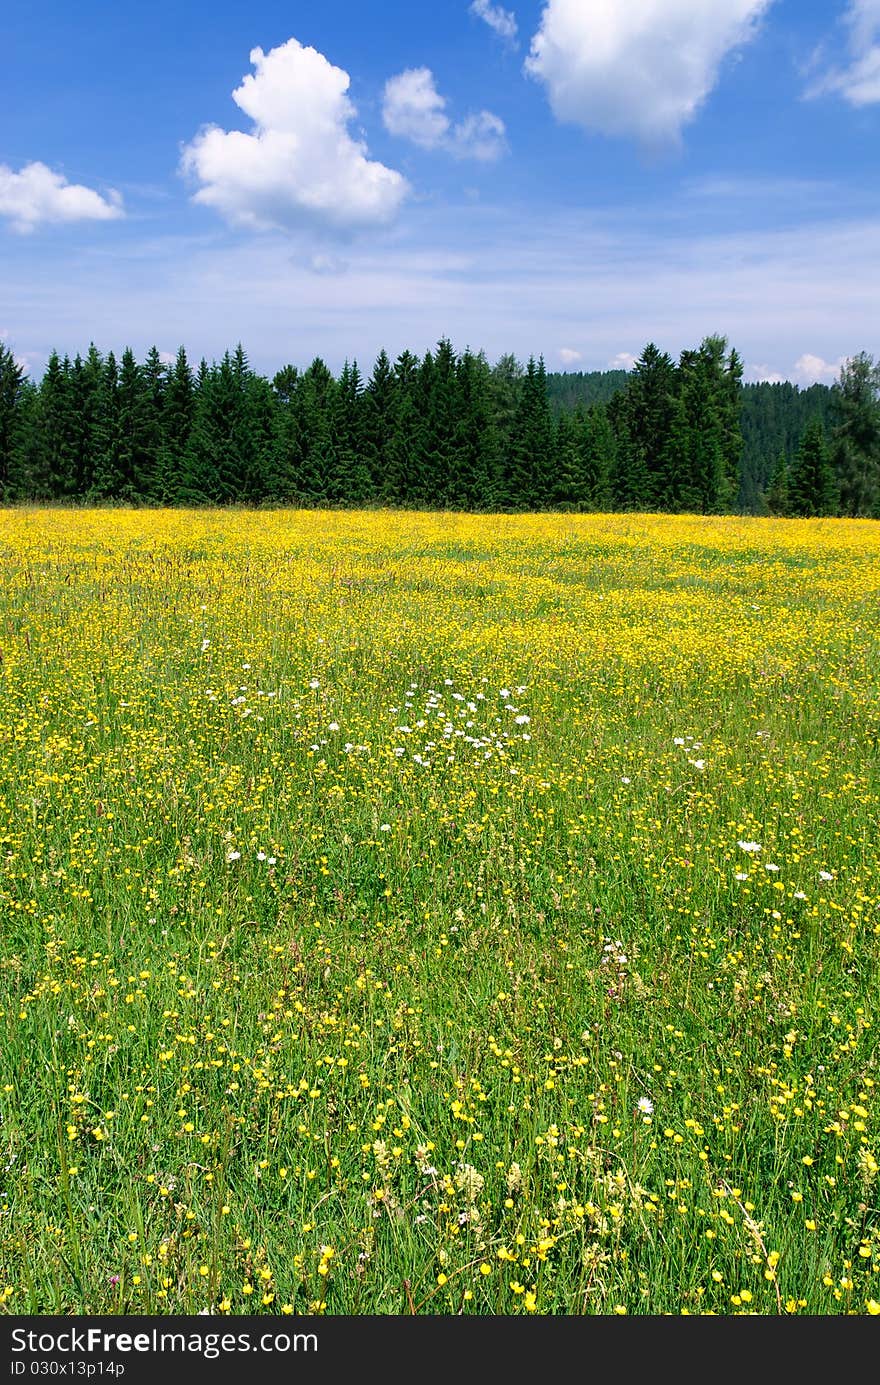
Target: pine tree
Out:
[317,404]
[675,464]
[378,426]
[138,432]
[11,388]
[216,463]
[777,494]
[286,435]
[506,389]
[811,482]
[351,483]
[178,412]
[856,437]
[475,446]
[530,460]
[400,483]
[567,490]
[647,406]
[630,482]
[108,476]
[25,479]
[442,482]
[598,457]
[57,434]
[155,375]
[705,396]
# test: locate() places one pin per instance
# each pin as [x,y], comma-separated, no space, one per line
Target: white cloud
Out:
[37,194]
[568,356]
[763,375]
[480,136]
[602,278]
[300,165]
[809,370]
[624,360]
[642,68]
[500,20]
[413,108]
[859,81]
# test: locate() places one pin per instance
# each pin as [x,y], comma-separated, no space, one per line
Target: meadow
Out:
[408,913]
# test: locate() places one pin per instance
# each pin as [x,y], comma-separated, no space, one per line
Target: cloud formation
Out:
[859,81]
[300,164]
[37,194]
[641,69]
[807,370]
[500,21]
[413,109]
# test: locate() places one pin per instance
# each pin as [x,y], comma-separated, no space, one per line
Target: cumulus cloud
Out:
[807,370]
[624,360]
[300,164]
[37,194]
[500,20]
[413,109]
[568,356]
[763,375]
[858,82]
[642,68]
[810,370]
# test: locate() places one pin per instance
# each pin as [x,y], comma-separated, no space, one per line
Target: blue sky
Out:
[571,177]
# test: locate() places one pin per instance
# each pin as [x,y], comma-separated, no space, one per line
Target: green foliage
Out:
[856,438]
[811,484]
[447,431]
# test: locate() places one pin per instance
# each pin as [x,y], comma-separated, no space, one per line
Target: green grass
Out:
[293,1021]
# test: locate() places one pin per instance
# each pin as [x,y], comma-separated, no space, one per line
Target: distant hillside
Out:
[773,419]
[565,391]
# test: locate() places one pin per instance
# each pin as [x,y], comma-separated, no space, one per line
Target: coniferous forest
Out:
[445,431]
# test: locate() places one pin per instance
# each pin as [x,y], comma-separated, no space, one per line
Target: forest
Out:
[444,431]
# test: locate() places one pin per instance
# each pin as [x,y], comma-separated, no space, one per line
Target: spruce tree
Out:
[11,388]
[138,432]
[598,457]
[286,435]
[378,427]
[506,388]
[811,482]
[647,405]
[442,479]
[567,489]
[475,446]
[530,459]
[856,436]
[400,483]
[178,411]
[351,482]
[317,404]
[777,494]
[108,476]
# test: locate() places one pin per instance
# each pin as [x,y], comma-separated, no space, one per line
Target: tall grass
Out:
[409,913]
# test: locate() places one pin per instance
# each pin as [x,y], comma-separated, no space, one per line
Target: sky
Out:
[566,178]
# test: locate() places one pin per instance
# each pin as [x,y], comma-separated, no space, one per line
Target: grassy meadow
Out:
[410,913]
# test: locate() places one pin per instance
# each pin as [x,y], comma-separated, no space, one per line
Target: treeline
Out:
[773,419]
[445,431]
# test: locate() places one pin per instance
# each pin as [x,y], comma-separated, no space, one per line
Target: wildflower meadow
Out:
[431,914]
